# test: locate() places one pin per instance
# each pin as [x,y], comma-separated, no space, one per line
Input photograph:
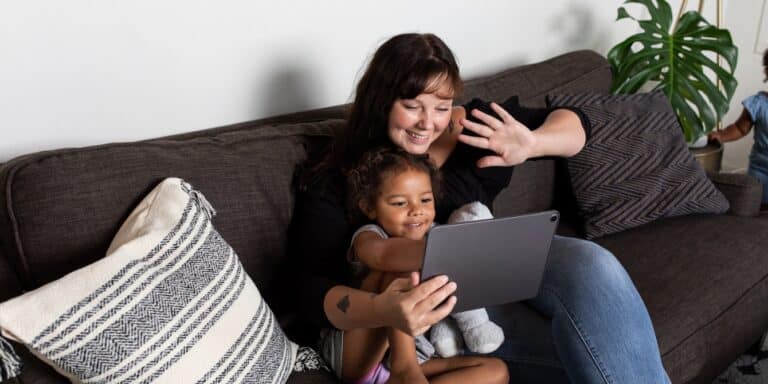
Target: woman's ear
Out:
[367,210]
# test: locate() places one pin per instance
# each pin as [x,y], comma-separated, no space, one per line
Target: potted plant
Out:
[680,60]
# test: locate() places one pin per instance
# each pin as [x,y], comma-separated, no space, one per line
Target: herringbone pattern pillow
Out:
[636,167]
[170,303]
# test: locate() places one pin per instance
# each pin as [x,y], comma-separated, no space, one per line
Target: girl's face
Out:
[414,124]
[405,206]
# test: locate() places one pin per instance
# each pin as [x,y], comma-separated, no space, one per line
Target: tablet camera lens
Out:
[553,218]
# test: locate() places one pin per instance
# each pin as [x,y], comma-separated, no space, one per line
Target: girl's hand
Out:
[412,307]
[512,141]
[715,136]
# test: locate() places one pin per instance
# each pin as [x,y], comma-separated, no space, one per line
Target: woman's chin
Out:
[415,148]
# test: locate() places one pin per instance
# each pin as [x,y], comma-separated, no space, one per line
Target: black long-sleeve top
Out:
[320,230]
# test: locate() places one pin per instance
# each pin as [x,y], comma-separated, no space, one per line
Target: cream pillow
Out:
[169,303]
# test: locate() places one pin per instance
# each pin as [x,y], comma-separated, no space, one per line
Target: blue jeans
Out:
[600,330]
[762,175]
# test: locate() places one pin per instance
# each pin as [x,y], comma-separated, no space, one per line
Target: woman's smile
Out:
[418,139]
[414,124]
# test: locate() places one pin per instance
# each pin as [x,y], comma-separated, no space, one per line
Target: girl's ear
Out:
[368,211]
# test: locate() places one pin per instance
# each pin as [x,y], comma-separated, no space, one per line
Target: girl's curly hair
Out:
[365,179]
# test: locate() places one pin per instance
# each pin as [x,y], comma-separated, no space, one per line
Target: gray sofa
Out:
[704,278]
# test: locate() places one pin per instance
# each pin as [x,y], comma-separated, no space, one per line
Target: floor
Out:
[750,368]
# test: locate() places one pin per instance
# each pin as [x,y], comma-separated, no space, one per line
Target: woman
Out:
[601,328]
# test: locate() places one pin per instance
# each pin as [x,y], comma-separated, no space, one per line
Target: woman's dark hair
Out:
[765,65]
[765,58]
[364,180]
[404,67]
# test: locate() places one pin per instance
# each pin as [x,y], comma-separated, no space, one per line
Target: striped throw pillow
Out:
[170,303]
[636,167]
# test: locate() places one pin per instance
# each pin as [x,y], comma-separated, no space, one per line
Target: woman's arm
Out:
[394,254]
[561,134]
[735,131]
[405,304]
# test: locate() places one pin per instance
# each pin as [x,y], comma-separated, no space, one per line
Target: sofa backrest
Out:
[9,283]
[61,208]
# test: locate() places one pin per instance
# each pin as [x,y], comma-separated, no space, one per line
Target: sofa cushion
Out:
[636,167]
[531,189]
[170,302]
[702,277]
[744,192]
[60,209]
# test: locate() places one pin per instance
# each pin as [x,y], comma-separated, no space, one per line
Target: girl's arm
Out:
[735,131]
[405,305]
[394,254]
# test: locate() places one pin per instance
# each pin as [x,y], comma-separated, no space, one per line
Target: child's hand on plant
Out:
[715,136]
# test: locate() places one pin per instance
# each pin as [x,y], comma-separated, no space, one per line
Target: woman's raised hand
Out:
[412,307]
[512,141]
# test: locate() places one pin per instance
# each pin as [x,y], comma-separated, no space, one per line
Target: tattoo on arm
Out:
[343,304]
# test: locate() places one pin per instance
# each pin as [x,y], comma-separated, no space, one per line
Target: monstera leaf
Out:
[681,62]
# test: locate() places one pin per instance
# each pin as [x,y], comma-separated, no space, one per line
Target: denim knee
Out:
[577,265]
[596,311]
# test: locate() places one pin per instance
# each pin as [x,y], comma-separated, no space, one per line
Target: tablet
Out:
[493,261]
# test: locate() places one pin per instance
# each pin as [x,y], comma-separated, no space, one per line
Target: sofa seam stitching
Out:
[26,280]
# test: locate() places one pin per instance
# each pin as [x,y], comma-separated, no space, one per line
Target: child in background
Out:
[755,114]
[395,190]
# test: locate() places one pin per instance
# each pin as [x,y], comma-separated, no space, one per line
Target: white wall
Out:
[77,72]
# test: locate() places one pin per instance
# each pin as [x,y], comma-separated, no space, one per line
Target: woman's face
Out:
[405,206]
[414,124]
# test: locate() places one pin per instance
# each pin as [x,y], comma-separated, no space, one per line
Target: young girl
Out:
[395,191]
[755,113]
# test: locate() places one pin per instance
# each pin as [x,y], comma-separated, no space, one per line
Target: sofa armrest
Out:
[743,192]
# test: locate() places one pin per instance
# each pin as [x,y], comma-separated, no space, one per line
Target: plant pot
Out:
[710,157]
[701,142]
